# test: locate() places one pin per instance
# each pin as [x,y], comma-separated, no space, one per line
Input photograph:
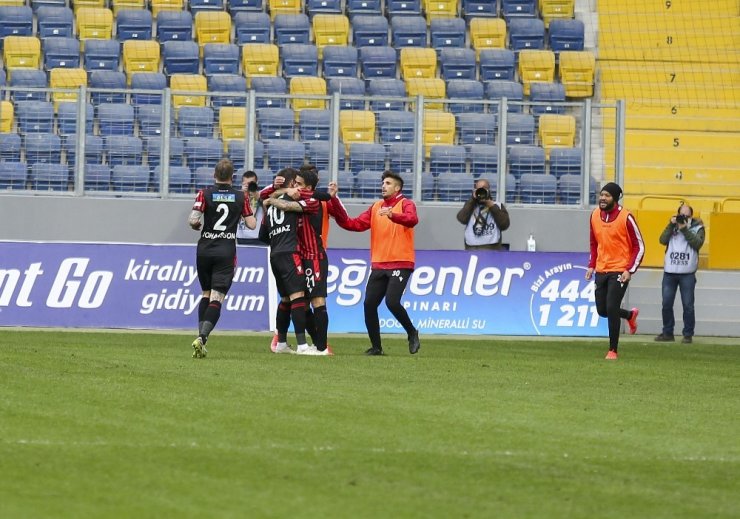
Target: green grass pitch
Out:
[129,425]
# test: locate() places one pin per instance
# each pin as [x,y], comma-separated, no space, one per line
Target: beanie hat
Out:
[613,189]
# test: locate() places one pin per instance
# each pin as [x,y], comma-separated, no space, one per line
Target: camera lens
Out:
[252,187]
[481,194]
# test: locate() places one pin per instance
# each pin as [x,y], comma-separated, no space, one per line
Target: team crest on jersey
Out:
[224,197]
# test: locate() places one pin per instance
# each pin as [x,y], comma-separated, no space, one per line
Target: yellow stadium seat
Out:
[284,7]
[232,121]
[551,9]
[188,83]
[330,29]
[487,33]
[557,131]
[6,116]
[140,56]
[94,23]
[66,78]
[433,88]
[87,4]
[21,52]
[577,70]
[212,27]
[12,3]
[260,59]
[440,9]
[356,126]
[439,129]
[536,66]
[128,4]
[418,62]
[166,5]
[307,85]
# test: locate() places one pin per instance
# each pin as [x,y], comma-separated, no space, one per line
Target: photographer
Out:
[683,237]
[244,235]
[484,219]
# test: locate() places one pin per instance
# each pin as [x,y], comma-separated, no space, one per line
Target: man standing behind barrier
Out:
[617,249]
[683,237]
[244,235]
[391,222]
[484,219]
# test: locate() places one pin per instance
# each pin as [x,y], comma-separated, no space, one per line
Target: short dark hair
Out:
[249,174]
[309,176]
[224,170]
[288,174]
[310,167]
[395,176]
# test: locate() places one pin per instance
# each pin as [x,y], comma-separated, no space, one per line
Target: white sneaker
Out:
[283,348]
[305,349]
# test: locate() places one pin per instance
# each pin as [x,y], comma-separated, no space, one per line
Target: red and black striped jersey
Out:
[283,226]
[310,243]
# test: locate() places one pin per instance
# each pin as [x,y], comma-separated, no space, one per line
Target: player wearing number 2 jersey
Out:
[221,207]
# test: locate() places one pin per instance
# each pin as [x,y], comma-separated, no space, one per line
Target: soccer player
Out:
[221,207]
[391,221]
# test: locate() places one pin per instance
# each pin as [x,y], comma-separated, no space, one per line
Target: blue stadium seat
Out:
[520,128]
[396,126]
[497,64]
[181,57]
[108,80]
[401,157]
[202,152]
[53,177]
[428,188]
[150,120]
[356,8]
[546,93]
[38,4]
[153,81]
[367,183]
[537,189]
[102,55]
[408,31]
[518,8]
[364,155]
[467,89]
[237,152]
[564,34]
[526,33]
[314,7]
[61,53]
[346,183]
[203,177]
[454,187]
[370,31]
[28,78]
[569,188]
[13,175]
[55,22]
[403,7]
[10,147]
[231,83]
[174,25]
[479,8]
[526,159]
[473,128]
[275,123]
[511,90]
[270,85]
[123,149]
[292,28]
[378,62]
[134,24]
[348,87]
[252,27]
[181,179]
[314,125]
[317,153]
[447,159]
[457,64]
[67,118]
[97,177]
[195,121]
[385,90]
[43,147]
[2,77]
[483,160]
[130,178]
[153,147]
[300,60]
[220,58]
[240,6]
[196,6]
[285,154]
[447,32]
[566,161]
[339,61]
[34,116]
[115,119]
[15,21]
[94,149]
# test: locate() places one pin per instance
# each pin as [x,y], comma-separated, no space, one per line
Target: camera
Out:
[482,194]
[680,219]
[252,187]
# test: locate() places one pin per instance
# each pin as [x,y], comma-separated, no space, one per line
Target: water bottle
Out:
[531,244]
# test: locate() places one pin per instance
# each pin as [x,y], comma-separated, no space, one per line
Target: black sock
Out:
[202,310]
[210,318]
[298,316]
[311,325]
[282,321]
[321,318]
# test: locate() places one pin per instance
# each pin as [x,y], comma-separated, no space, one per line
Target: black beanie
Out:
[613,189]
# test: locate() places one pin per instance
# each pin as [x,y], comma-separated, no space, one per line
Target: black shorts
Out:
[215,272]
[288,272]
[316,271]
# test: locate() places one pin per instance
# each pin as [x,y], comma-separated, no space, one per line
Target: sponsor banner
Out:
[122,286]
[461,292]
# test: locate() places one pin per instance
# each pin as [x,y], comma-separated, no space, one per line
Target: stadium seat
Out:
[208,6]
[367,183]
[181,179]
[21,52]
[314,125]
[476,128]
[270,85]
[42,148]
[408,31]
[387,94]
[237,153]
[402,157]
[557,131]
[195,121]
[227,83]
[190,83]
[134,24]
[52,177]
[536,66]
[285,154]
[61,52]
[566,35]
[34,116]
[439,129]
[160,6]
[330,29]
[356,126]
[447,159]
[140,56]
[153,147]
[479,9]
[276,123]
[220,58]
[569,188]
[232,123]
[552,10]
[429,88]
[15,21]
[518,8]
[447,32]
[203,177]
[123,5]
[152,81]
[315,7]
[115,119]
[55,22]
[370,31]
[418,63]
[317,153]
[149,117]
[181,57]
[457,64]
[577,70]
[401,8]
[348,87]
[36,4]
[487,33]
[13,175]
[497,64]
[483,160]
[94,150]
[94,23]
[444,9]
[300,60]
[252,27]
[203,152]
[511,90]
[538,188]
[10,143]
[378,62]
[467,89]
[66,78]
[29,78]
[566,161]
[366,155]
[519,128]
[277,7]
[307,86]
[357,8]
[67,118]
[526,160]
[454,187]
[97,177]
[174,26]
[102,55]
[396,127]
[549,93]
[526,33]
[212,27]
[130,178]
[339,61]
[87,4]
[260,59]
[292,28]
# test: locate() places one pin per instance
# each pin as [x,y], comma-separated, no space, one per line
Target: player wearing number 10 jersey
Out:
[221,207]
